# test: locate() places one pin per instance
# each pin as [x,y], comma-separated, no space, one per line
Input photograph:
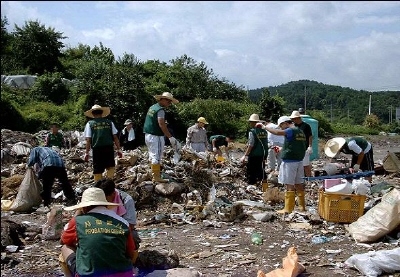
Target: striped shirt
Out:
[45,156]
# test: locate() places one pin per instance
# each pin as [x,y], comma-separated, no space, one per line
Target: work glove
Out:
[214,149]
[119,153]
[172,140]
[243,159]
[309,150]
[356,167]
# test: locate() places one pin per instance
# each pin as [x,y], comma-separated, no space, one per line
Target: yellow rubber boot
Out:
[289,202]
[301,200]
[110,172]
[135,256]
[98,176]
[264,185]
[64,267]
[156,171]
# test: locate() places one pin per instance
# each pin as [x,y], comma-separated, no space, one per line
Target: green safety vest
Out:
[98,234]
[296,149]
[361,142]
[151,122]
[101,132]
[260,147]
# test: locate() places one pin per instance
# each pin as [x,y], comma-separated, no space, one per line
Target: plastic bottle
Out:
[256,239]
[319,239]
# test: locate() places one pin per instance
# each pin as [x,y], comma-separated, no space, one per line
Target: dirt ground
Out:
[217,248]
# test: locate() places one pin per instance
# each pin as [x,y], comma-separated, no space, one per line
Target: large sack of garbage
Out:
[28,194]
[379,221]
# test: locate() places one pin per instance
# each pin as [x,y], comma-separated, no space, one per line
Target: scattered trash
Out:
[319,239]
[374,263]
[256,239]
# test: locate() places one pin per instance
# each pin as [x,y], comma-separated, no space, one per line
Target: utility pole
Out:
[369,108]
[305,99]
[331,113]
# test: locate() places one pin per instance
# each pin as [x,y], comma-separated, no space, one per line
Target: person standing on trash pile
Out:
[51,166]
[126,208]
[155,129]
[291,171]
[275,144]
[101,135]
[360,149]
[306,128]
[216,141]
[127,137]
[256,152]
[96,241]
[196,136]
[55,138]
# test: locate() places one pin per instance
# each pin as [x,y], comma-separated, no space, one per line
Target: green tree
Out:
[372,121]
[271,107]
[50,87]
[37,48]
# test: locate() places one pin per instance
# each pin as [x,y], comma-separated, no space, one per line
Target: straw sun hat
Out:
[202,120]
[295,114]
[92,197]
[333,146]
[255,118]
[166,95]
[106,111]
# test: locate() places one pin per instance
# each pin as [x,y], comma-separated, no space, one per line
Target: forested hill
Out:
[342,102]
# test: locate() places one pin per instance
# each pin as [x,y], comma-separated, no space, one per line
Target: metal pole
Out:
[305,99]
[369,109]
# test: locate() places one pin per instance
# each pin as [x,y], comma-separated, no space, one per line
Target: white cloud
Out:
[252,43]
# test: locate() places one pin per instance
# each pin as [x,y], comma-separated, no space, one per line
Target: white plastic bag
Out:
[53,227]
[361,186]
[374,263]
[379,220]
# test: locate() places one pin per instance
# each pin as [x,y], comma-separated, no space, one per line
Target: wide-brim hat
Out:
[295,114]
[202,120]
[166,95]
[284,118]
[106,111]
[255,118]
[92,197]
[127,122]
[333,146]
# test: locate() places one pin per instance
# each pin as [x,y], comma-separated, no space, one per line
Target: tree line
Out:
[127,85]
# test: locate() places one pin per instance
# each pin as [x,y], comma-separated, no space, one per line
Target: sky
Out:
[253,44]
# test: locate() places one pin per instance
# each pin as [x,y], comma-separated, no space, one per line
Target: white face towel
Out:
[131,135]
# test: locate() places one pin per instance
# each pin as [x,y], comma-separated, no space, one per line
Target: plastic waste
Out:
[319,239]
[256,239]
[212,194]
[374,263]
[361,186]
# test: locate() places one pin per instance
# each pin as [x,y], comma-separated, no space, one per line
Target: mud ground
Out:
[223,248]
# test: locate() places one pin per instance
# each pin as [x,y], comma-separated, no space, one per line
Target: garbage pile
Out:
[207,192]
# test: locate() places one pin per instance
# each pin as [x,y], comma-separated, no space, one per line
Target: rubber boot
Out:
[301,200]
[64,267]
[156,171]
[264,185]
[135,256]
[289,202]
[110,172]
[98,176]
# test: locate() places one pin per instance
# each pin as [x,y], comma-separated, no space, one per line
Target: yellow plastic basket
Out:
[341,208]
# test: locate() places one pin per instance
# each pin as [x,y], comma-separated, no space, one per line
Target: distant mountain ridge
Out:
[341,101]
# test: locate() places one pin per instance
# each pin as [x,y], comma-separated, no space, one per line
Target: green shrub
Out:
[11,118]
